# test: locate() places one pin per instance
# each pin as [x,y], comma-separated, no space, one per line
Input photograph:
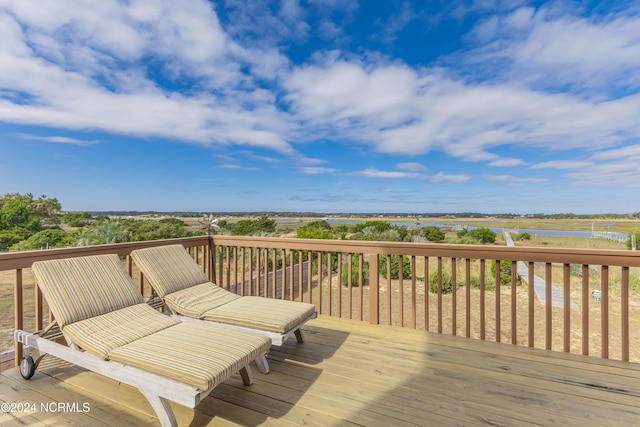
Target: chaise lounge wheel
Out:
[27,367]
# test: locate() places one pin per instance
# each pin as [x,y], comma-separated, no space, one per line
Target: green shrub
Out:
[505,271]
[355,271]
[433,233]
[395,266]
[629,242]
[447,286]
[482,235]
[523,236]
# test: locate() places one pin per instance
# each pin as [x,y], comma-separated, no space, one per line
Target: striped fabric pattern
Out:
[190,353]
[101,334]
[169,268]
[80,288]
[261,313]
[194,301]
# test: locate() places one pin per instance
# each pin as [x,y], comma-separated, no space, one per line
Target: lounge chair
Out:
[110,330]
[185,289]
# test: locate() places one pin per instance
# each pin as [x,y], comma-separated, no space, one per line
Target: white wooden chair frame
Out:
[157,389]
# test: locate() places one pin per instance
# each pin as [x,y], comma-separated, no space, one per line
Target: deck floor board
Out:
[350,373]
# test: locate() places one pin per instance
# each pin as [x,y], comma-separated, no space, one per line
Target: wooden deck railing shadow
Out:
[443,288]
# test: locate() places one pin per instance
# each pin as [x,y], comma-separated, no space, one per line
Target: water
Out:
[532,231]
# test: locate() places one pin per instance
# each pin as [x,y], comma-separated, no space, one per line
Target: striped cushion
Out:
[194,301]
[80,288]
[101,334]
[197,354]
[169,268]
[262,313]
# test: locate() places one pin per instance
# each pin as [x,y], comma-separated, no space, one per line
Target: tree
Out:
[76,219]
[49,238]
[17,213]
[106,232]
[43,208]
[247,227]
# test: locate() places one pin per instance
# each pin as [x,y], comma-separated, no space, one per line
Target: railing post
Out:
[374,287]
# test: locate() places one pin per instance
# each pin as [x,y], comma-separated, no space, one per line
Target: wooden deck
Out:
[352,373]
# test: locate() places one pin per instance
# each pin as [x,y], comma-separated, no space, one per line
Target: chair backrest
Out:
[168,268]
[84,287]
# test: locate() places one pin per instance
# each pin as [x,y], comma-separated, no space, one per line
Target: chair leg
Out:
[298,333]
[263,365]
[247,376]
[161,407]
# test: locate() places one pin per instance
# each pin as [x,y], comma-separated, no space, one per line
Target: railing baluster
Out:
[18,310]
[454,307]
[361,285]
[497,285]
[329,277]
[566,276]
[319,303]
[38,308]
[439,295]
[624,310]
[274,273]
[350,284]
[388,290]
[514,284]
[426,294]
[604,307]
[585,309]
[310,277]
[482,299]
[228,266]
[292,278]
[339,287]
[374,289]
[220,281]
[467,267]
[265,272]
[413,292]
[548,307]
[236,281]
[243,291]
[531,282]
[401,290]
[258,271]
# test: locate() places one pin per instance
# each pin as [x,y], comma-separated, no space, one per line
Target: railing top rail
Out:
[24,259]
[15,260]
[519,253]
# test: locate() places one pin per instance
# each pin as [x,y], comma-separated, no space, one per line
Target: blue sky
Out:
[322,105]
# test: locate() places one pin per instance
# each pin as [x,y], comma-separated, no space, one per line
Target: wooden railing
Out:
[590,305]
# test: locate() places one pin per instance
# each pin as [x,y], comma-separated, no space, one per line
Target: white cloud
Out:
[512,179]
[555,47]
[315,170]
[375,173]
[506,162]
[57,139]
[237,167]
[412,166]
[77,65]
[562,164]
[438,177]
